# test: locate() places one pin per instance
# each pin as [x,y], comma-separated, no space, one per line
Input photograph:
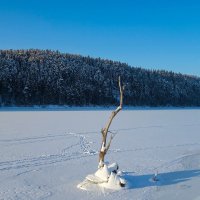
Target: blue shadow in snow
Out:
[169,178]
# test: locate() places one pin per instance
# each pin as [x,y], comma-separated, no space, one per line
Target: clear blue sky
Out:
[162,34]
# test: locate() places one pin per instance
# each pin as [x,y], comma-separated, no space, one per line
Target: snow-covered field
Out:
[45,154]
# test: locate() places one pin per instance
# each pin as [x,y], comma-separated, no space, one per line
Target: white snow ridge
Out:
[106,177]
[46,154]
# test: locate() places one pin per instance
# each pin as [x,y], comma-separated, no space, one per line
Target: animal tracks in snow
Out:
[85,145]
[81,148]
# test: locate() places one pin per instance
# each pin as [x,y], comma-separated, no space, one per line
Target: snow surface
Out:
[45,154]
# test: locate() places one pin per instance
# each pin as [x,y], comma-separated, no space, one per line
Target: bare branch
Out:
[121,89]
[105,130]
[108,146]
[114,113]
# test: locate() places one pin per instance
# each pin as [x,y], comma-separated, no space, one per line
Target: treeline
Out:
[44,77]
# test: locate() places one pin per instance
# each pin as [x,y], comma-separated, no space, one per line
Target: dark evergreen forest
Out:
[44,77]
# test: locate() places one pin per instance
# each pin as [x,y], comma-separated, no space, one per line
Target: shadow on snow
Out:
[168,178]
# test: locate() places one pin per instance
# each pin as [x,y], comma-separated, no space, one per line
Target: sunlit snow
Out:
[46,154]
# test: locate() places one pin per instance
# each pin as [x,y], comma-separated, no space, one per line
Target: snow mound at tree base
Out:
[107,176]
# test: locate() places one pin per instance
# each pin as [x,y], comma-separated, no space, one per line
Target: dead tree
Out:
[105,130]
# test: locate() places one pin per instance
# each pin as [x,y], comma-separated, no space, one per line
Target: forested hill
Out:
[44,77]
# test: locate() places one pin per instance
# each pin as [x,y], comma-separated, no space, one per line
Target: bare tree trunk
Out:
[105,130]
